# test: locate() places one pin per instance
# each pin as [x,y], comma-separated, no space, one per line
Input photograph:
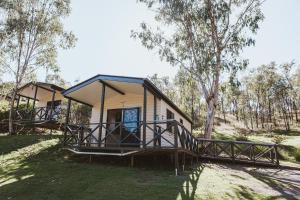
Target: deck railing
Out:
[130,135]
[239,151]
[168,134]
[38,114]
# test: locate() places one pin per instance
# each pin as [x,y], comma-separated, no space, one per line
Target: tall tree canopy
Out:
[205,37]
[31,32]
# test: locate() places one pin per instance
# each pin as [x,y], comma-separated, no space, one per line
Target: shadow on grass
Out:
[12,143]
[56,174]
[287,133]
[286,187]
[53,173]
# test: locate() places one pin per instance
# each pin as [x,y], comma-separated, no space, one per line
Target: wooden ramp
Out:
[239,151]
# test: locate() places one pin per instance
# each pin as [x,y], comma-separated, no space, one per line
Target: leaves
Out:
[204,37]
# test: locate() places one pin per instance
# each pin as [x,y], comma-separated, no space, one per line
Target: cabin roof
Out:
[49,86]
[143,81]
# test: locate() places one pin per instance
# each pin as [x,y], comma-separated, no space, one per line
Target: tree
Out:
[205,37]
[188,97]
[30,34]
[165,85]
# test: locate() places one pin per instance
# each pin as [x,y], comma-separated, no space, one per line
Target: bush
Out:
[241,138]
[4,110]
[297,155]
[278,139]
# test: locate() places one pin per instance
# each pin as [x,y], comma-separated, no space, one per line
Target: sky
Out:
[104,44]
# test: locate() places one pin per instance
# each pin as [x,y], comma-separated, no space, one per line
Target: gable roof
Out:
[144,81]
[43,84]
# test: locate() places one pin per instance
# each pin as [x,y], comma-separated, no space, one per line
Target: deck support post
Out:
[183,161]
[154,119]
[52,105]
[101,113]
[176,162]
[131,161]
[144,116]
[34,100]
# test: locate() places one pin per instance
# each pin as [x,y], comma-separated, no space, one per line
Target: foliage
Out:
[80,114]
[203,37]
[4,110]
[241,137]
[266,98]
[278,139]
[31,33]
[165,85]
[297,155]
[183,91]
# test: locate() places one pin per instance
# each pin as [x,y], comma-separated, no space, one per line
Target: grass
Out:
[35,167]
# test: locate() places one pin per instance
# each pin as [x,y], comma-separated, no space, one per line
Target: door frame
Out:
[122,118]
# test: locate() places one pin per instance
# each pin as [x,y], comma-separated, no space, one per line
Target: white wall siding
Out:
[130,100]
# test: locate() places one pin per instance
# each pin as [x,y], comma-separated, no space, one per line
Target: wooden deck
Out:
[82,139]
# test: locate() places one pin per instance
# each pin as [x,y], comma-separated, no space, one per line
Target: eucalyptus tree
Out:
[31,33]
[166,85]
[189,94]
[203,36]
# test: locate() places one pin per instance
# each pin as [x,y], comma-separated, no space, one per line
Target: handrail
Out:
[38,113]
[166,134]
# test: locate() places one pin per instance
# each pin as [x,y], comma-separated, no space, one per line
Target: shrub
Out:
[297,155]
[241,137]
[278,139]
[4,110]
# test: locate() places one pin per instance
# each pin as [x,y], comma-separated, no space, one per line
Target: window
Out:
[170,115]
[181,121]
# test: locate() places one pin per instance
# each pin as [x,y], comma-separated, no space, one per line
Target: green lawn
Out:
[35,167]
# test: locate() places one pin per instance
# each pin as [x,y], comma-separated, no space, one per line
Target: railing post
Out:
[67,120]
[18,102]
[154,118]
[27,104]
[101,113]
[52,105]
[159,137]
[252,156]
[175,134]
[232,150]
[144,116]
[34,100]
[80,134]
[276,155]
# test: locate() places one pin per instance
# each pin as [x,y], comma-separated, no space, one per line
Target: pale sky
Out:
[104,45]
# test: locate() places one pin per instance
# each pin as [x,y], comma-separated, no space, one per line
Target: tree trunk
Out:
[11,112]
[270,110]
[222,104]
[209,122]
[296,111]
